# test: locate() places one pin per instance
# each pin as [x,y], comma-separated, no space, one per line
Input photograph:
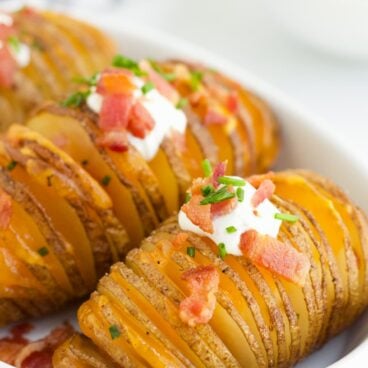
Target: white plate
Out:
[306,144]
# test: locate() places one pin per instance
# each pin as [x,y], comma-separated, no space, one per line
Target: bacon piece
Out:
[116,141]
[198,214]
[214,117]
[115,112]
[265,191]
[140,121]
[115,82]
[275,256]
[8,67]
[199,306]
[223,207]
[161,84]
[256,180]
[6,210]
[219,170]
[233,101]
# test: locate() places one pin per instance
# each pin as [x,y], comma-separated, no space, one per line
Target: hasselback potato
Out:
[42,54]
[259,290]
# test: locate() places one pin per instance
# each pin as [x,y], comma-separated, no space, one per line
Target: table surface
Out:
[243,32]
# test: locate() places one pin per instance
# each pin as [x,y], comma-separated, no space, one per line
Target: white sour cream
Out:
[22,55]
[6,20]
[243,217]
[165,115]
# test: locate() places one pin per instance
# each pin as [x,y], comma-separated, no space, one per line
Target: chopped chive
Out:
[207,168]
[222,250]
[85,162]
[240,194]
[188,197]
[169,76]
[220,195]
[106,180]
[207,190]
[37,45]
[195,79]
[11,165]
[75,99]
[121,61]
[191,251]
[149,86]
[91,81]
[228,180]
[286,217]
[43,251]
[231,229]
[114,332]
[14,43]
[182,103]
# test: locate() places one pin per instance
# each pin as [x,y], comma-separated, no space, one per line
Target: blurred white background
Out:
[336,88]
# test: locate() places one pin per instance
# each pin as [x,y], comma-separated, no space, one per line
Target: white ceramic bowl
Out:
[306,144]
[338,26]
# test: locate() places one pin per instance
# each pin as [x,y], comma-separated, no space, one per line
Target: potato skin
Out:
[285,323]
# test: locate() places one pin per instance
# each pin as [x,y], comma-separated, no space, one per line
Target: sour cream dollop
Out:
[162,111]
[243,217]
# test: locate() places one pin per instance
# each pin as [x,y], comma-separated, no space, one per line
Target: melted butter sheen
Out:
[243,217]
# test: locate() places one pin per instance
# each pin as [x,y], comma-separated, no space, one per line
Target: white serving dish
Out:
[306,144]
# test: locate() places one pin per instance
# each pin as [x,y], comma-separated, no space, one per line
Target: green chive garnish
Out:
[231,229]
[114,332]
[220,195]
[195,79]
[168,76]
[240,194]
[43,251]
[182,103]
[106,180]
[228,180]
[14,43]
[76,99]
[286,217]
[188,197]
[91,81]
[222,250]
[207,190]
[191,251]
[207,168]
[121,61]
[11,165]
[149,86]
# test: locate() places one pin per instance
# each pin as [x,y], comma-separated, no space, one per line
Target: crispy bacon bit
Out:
[116,141]
[198,214]
[275,256]
[233,101]
[198,308]
[219,170]
[115,82]
[6,210]
[265,191]
[162,85]
[214,117]
[180,240]
[8,65]
[115,112]
[223,207]
[256,180]
[140,121]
